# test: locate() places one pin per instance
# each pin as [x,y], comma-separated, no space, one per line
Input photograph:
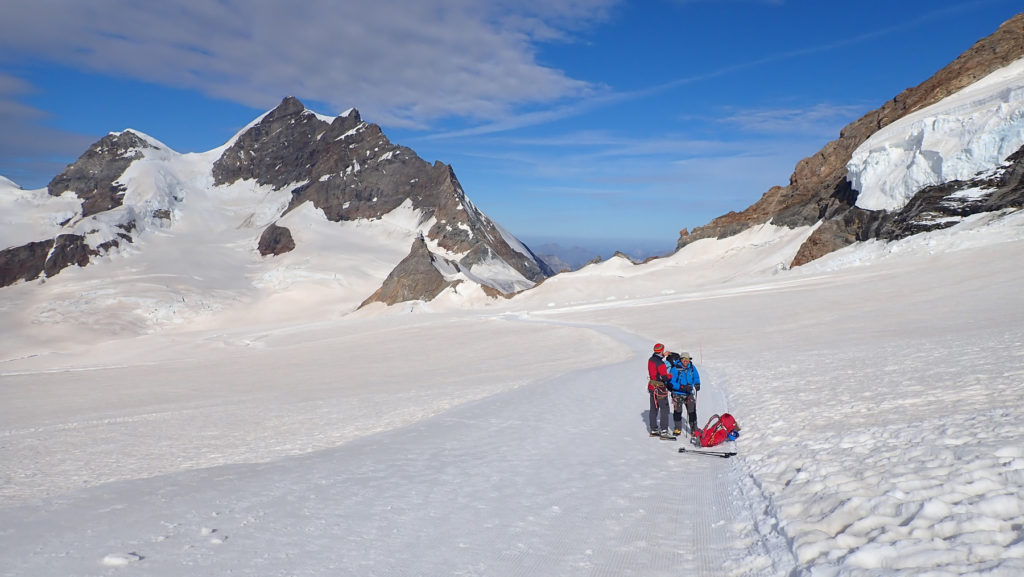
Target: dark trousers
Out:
[659,407]
[690,403]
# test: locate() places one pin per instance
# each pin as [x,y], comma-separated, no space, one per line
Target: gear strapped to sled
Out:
[720,428]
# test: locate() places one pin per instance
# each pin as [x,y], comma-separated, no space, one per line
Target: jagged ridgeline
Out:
[350,170]
[343,166]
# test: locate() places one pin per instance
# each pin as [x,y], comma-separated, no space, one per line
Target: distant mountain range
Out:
[297,195]
[128,184]
[568,255]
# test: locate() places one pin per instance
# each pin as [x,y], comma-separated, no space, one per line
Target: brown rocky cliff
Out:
[818,189]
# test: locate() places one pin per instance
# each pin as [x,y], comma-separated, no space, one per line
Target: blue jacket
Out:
[683,380]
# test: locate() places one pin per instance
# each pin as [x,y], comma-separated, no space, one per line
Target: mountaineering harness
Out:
[659,390]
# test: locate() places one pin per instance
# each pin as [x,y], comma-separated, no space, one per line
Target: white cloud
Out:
[819,119]
[398,61]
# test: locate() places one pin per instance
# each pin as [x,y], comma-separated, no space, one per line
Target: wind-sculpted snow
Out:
[888,472]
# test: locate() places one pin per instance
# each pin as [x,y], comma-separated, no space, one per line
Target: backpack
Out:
[720,428]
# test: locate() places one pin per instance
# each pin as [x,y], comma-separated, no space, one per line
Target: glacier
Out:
[963,135]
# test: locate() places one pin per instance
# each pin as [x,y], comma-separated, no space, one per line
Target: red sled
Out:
[720,428]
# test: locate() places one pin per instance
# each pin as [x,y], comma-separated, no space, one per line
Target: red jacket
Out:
[657,371]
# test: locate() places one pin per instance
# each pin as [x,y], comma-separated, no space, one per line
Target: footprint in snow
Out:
[122,559]
[215,539]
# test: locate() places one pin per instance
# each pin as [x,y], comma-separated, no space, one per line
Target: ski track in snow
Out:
[362,507]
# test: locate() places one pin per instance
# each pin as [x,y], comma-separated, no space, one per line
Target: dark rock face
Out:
[92,176]
[415,278]
[24,262]
[276,240]
[350,170]
[276,151]
[818,189]
[68,249]
[29,261]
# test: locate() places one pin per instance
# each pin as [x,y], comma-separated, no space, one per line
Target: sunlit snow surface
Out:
[879,390]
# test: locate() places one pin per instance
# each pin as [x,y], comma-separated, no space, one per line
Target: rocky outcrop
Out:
[818,189]
[24,262]
[92,176]
[47,257]
[279,150]
[417,277]
[276,240]
[68,249]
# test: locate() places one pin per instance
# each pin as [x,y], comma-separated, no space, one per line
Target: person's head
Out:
[659,349]
[685,358]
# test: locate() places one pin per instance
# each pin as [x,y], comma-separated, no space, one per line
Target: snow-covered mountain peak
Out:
[273,209]
[146,140]
[6,183]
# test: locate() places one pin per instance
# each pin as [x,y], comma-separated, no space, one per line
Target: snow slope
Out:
[880,395]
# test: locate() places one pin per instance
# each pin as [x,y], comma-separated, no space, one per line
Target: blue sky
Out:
[582,121]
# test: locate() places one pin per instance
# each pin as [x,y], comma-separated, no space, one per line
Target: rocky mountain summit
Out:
[94,181]
[820,189]
[128,183]
[350,170]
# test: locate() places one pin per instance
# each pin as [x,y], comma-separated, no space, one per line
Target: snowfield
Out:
[880,391]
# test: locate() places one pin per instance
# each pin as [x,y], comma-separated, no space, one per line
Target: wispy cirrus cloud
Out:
[816,120]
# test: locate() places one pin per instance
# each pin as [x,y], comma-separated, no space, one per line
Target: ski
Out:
[722,454]
[667,438]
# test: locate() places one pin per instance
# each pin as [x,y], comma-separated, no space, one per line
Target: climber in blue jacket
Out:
[683,386]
